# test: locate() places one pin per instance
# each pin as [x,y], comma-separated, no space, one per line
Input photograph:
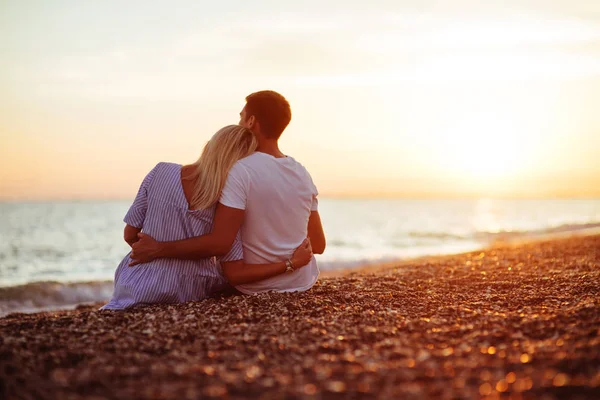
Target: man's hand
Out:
[144,250]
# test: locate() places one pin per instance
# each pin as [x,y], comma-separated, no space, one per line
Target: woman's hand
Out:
[303,254]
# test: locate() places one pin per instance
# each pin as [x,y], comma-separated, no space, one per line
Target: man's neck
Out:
[270,147]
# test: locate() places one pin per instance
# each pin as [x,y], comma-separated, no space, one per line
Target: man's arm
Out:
[316,233]
[226,225]
[238,273]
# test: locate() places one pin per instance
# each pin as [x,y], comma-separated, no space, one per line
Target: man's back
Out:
[278,195]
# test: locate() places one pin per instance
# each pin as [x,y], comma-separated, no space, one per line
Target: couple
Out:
[243,201]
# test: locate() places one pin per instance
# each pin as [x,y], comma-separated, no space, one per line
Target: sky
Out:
[389,98]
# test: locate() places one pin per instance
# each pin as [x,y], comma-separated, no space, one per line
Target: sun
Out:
[485,148]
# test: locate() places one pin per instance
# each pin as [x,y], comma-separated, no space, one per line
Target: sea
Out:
[57,255]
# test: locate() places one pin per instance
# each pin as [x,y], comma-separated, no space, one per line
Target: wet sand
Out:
[511,322]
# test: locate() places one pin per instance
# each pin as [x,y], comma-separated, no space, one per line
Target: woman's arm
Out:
[315,233]
[130,234]
[238,273]
[137,211]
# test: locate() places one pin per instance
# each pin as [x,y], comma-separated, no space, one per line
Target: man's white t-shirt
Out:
[278,195]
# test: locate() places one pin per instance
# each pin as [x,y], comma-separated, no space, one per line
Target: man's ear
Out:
[251,122]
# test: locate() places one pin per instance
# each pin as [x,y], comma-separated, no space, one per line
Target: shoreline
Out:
[9,304]
[515,321]
[512,242]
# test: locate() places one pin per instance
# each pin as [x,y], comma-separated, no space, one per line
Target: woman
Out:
[178,202]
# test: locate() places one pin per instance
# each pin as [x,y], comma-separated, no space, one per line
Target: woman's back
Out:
[167,216]
[160,209]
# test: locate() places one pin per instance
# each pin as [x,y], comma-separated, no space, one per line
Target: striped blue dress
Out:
[160,209]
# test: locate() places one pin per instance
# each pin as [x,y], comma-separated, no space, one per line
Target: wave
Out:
[40,296]
[558,230]
[491,236]
[438,235]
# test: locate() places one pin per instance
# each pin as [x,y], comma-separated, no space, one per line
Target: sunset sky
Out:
[389,98]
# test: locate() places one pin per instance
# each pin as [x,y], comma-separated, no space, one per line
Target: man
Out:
[271,198]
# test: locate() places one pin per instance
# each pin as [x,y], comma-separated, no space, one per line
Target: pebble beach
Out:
[514,321]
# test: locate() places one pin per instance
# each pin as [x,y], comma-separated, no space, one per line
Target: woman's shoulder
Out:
[167,165]
[162,173]
[165,168]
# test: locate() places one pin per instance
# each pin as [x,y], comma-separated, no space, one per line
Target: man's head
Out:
[266,113]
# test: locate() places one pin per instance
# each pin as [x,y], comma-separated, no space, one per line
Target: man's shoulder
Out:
[242,166]
[258,158]
[297,163]
[253,158]
[298,167]
[257,163]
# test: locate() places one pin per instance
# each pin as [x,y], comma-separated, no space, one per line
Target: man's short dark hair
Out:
[271,110]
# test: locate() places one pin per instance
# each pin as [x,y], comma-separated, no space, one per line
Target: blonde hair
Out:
[225,148]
